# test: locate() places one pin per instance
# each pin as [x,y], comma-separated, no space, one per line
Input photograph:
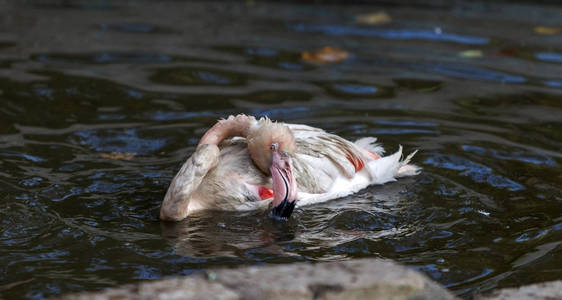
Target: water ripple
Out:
[516,155]
[356,89]
[112,140]
[549,57]
[478,172]
[132,27]
[468,72]
[175,115]
[393,34]
[104,58]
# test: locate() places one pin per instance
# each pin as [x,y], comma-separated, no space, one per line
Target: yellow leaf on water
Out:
[118,155]
[470,53]
[325,55]
[374,18]
[545,30]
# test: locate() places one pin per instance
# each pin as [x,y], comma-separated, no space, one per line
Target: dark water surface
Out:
[478,88]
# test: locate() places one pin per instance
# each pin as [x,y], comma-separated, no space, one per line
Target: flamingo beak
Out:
[284,185]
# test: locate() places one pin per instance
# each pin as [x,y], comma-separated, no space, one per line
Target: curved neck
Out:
[231,127]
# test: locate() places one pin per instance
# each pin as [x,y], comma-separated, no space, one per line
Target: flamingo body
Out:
[325,166]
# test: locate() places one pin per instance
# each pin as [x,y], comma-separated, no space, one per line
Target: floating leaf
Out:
[118,155]
[545,30]
[374,18]
[470,53]
[325,55]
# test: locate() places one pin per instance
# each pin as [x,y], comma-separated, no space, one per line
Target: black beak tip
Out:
[284,210]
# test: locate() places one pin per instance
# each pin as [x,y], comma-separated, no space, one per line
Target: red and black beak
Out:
[284,184]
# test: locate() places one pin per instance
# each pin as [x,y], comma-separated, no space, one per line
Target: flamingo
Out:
[244,163]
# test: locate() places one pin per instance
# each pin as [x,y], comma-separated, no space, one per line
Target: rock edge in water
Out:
[353,279]
[542,291]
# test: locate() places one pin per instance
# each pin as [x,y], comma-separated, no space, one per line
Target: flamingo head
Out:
[271,147]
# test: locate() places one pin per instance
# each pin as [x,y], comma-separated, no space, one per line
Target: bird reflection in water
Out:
[210,234]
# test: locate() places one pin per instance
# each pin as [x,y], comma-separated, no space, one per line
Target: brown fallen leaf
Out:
[118,155]
[545,30]
[325,55]
[374,18]
[505,52]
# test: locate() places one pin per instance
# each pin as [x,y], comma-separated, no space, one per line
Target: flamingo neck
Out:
[233,126]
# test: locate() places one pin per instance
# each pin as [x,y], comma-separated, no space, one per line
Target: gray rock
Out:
[540,291]
[354,279]
[193,287]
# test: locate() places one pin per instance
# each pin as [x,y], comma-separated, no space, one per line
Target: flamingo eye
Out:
[273,147]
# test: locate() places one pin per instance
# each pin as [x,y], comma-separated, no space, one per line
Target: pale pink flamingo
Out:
[242,163]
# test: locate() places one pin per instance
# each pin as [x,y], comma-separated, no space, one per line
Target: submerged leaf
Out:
[545,30]
[470,53]
[325,55]
[374,18]
[118,155]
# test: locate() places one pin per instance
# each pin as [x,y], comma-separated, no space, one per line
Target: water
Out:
[80,80]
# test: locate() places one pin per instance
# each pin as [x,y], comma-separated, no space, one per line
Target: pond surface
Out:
[101,103]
